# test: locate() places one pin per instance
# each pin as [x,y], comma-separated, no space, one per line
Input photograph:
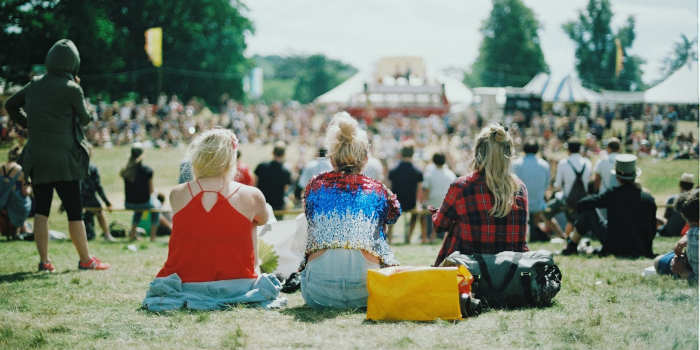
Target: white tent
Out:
[344,92]
[347,92]
[555,88]
[681,87]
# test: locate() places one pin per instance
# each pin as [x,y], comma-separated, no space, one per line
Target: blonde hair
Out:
[213,153]
[348,145]
[493,151]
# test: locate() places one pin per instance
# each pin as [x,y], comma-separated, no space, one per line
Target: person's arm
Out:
[443,220]
[150,186]
[13,106]
[419,196]
[596,182]
[680,245]
[593,201]
[100,190]
[26,189]
[79,107]
[393,209]
[261,215]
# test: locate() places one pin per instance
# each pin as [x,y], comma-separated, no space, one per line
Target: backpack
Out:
[578,190]
[511,279]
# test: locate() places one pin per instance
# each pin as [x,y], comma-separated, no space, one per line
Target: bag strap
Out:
[577,173]
[526,281]
[483,268]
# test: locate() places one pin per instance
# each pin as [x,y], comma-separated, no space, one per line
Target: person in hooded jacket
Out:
[55,156]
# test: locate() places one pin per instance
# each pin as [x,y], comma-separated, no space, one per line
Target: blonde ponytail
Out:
[494,149]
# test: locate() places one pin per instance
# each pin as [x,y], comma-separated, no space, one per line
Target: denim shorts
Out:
[139,208]
[664,265]
[336,279]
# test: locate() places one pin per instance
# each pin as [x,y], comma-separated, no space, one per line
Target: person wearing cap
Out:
[55,156]
[138,190]
[683,260]
[674,221]
[631,225]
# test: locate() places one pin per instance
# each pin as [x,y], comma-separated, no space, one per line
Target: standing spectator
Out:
[138,188]
[316,166]
[274,178]
[90,188]
[631,225]
[437,182]
[347,214]
[15,202]
[55,156]
[569,171]
[406,182]
[534,173]
[603,177]
[674,220]
[243,174]
[485,211]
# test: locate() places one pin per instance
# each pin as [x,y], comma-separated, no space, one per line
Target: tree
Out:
[203,44]
[301,78]
[684,51]
[596,49]
[510,52]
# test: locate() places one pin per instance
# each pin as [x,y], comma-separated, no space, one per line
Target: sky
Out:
[446,33]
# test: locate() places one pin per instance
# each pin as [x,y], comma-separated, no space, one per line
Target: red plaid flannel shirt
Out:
[470,228]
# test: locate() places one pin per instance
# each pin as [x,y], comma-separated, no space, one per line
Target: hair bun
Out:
[347,131]
[499,134]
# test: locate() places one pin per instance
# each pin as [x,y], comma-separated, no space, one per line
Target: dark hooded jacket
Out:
[54,112]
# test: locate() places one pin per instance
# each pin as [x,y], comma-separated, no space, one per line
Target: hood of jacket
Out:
[63,57]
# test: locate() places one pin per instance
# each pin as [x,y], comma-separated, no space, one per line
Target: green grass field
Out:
[604,302]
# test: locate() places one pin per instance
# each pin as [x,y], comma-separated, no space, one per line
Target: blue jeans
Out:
[139,208]
[336,279]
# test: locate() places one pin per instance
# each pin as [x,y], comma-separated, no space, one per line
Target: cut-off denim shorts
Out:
[336,279]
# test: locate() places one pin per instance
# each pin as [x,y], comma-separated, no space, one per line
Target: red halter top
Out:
[210,245]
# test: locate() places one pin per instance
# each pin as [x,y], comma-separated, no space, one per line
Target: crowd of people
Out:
[477,191]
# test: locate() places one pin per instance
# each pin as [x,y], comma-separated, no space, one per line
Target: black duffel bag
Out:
[511,279]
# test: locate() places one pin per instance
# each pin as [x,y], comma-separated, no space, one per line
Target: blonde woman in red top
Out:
[214,236]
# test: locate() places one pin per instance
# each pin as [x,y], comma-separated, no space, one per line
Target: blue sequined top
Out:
[350,211]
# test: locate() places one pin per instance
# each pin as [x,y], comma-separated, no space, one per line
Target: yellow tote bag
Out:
[413,293]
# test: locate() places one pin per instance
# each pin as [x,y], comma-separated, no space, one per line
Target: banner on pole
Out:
[619,57]
[154,45]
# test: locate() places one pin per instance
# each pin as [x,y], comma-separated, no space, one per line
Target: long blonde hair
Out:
[493,151]
[213,153]
[348,144]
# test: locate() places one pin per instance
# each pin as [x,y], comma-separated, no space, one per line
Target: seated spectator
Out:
[90,188]
[214,237]
[485,211]
[631,225]
[534,173]
[673,262]
[243,174]
[15,202]
[347,214]
[138,188]
[674,220]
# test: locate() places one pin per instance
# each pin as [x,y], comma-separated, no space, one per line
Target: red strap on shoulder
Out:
[234,191]
[190,189]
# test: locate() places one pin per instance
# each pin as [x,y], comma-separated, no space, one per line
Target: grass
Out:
[604,302]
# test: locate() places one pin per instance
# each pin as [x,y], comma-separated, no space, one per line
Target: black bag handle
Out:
[483,268]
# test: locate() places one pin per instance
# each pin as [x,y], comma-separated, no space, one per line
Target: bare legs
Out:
[77,235]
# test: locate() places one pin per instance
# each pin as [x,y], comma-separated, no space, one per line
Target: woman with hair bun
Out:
[485,211]
[212,254]
[347,214]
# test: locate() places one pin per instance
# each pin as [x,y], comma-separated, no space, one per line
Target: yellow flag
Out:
[619,57]
[154,45]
